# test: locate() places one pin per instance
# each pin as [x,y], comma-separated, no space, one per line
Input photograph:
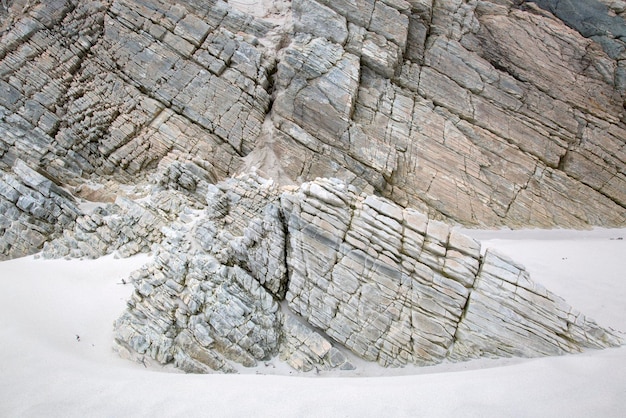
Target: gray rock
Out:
[397,289]
[483,113]
[487,113]
[305,350]
[539,323]
[33,208]
[312,17]
[361,274]
[191,309]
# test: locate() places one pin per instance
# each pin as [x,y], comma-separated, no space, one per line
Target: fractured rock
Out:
[33,208]
[305,350]
[484,113]
[360,272]
[207,301]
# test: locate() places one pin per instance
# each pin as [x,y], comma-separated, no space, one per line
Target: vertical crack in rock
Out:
[354,289]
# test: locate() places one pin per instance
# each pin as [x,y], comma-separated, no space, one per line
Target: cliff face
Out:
[128,124]
[485,113]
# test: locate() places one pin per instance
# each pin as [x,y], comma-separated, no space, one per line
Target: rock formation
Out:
[137,125]
[360,273]
[33,208]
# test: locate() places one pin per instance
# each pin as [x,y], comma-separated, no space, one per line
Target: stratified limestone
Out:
[115,86]
[32,209]
[481,112]
[363,273]
[599,20]
[127,227]
[507,314]
[312,17]
[396,288]
[208,300]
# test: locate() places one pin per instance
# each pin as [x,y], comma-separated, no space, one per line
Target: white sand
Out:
[46,371]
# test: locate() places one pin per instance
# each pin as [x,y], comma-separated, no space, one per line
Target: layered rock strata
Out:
[33,208]
[478,112]
[397,288]
[486,122]
[359,272]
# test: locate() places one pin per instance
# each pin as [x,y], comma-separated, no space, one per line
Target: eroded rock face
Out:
[396,288]
[357,273]
[477,112]
[33,208]
[209,298]
[480,112]
[472,111]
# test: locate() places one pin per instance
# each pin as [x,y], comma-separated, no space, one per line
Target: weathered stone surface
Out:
[479,112]
[32,210]
[306,350]
[538,322]
[361,273]
[198,313]
[318,97]
[137,80]
[396,288]
[127,226]
[206,302]
[312,17]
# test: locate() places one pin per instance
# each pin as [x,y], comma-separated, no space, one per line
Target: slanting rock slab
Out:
[507,314]
[397,288]
[305,349]
[357,272]
[485,113]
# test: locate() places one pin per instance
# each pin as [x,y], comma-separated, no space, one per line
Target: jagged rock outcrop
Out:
[210,296]
[478,112]
[487,122]
[396,288]
[129,226]
[360,272]
[305,349]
